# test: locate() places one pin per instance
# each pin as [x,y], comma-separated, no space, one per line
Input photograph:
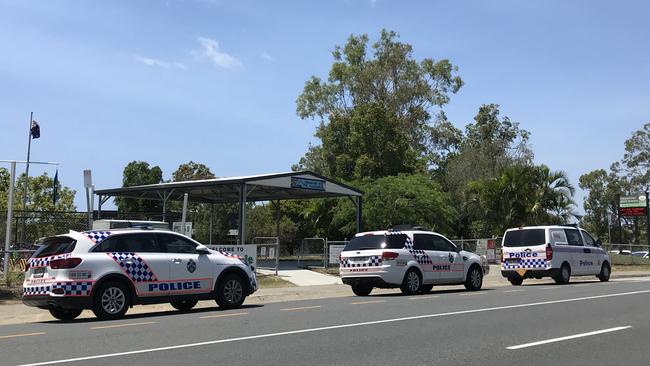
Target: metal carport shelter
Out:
[254,188]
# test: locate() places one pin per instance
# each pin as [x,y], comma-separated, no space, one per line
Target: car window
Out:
[423,242]
[55,246]
[176,244]
[392,241]
[558,237]
[442,244]
[136,243]
[588,239]
[524,237]
[573,237]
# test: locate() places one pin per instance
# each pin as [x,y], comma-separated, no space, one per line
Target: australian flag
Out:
[35,130]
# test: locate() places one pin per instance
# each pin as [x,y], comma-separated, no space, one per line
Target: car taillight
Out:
[549,252]
[64,263]
[386,256]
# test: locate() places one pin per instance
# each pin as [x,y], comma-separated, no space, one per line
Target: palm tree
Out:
[554,199]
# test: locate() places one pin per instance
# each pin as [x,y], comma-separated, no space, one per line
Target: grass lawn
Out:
[269,281]
[630,267]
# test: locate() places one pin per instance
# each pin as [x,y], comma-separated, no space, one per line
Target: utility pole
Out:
[647,216]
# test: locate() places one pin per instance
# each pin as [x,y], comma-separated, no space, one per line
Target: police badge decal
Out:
[191,266]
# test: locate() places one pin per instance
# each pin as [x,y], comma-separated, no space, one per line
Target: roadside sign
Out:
[632,206]
[88,178]
[335,252]
[247,252]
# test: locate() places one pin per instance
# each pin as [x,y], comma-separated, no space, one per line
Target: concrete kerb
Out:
[14,312]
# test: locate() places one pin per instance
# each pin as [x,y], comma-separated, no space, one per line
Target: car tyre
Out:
[412,283]
[474,280]
[231,292]
[111,301]
[516,281]
[361,290]
[65,314]
[184,305]
[427,288]
[564,276]
[605,272]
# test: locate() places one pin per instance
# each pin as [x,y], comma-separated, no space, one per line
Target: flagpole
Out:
[29,147]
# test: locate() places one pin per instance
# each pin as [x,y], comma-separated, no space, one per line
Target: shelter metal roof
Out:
[265,187]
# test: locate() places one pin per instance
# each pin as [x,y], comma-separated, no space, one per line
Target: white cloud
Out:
[210,49]
[267,57]
[164,64]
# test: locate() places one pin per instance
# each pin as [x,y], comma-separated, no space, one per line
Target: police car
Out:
[110,271]
[558,252]
[412,260]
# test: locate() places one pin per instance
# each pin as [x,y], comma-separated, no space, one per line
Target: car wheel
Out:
[564,276]
[516,281]
[412,282]
[427,288]
[474,279]
[230,292]
[361,290]
[111,301]
[184,305]
[605,271]
[65,314]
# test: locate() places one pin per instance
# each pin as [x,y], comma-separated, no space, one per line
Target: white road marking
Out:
[631,279]
[331,327]
[473,293]
[423,297]
[549,288]
[121,325]
[367,302]
[222,315]
[514,290]
[302,308]
[581,335]
[21,335]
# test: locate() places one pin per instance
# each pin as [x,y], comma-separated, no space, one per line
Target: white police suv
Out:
[109,271]
[558,252]
[413,260]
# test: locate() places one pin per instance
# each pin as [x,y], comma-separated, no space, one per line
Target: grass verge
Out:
[270,281]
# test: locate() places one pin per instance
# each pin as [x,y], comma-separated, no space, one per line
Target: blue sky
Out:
[216,81]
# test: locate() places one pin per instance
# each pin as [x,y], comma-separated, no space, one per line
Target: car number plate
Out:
[359,259]
[39,272]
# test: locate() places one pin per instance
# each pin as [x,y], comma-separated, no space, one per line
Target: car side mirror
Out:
[599,243]
[458,249]
[202,249]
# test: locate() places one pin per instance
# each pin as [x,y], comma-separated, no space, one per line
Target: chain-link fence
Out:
[627,254]
[29,226]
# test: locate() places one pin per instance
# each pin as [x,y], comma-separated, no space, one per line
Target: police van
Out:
[110,271]
[558,252]
[412,260]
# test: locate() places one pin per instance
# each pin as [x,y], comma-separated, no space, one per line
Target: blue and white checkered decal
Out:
[82,288]
[134,266]
[420,256]
[372,261]
[75,288]
[97,236]
[36,290]
[525,263]
[45,261]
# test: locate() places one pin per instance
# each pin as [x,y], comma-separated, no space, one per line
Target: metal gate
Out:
[268,252]
[313,253]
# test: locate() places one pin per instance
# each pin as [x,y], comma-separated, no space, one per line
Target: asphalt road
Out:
[588,323]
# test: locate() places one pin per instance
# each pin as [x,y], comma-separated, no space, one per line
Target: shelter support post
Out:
[184,216]
[241,234]
[211,220]
[358,203]
[10,212]
[99,208]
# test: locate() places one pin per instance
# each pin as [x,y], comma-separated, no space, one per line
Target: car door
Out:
[451,266]
[595,255]
[578,254]
[190,272]
[140,259]
[426,256]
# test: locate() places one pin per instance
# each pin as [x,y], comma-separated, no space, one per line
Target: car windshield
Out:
[55,246]
[395,241]
[524,238]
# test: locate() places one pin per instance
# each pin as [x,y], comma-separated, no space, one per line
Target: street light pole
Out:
[647,216]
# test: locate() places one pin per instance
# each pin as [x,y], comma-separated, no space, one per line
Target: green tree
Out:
[403,199]
[637,157]
[554,204]
[139,173]
[39,198]
[192,171]
[396,88]
[601,202]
